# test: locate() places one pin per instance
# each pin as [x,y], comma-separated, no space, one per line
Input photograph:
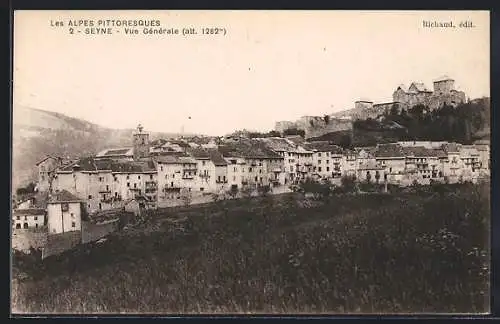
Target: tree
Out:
[186,198]
[394,110]
[246,191]
[233,192]
[263,190]
[326,118]
[349,183]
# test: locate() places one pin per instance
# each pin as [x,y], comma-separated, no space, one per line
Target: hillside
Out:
[37,133]
[464,124]
[280,254]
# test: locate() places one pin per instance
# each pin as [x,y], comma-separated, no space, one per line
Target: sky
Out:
[269,66]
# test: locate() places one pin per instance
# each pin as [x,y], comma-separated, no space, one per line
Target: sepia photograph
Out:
[280,162]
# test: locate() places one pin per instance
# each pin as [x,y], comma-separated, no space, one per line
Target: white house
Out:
[64,213]
[28,218]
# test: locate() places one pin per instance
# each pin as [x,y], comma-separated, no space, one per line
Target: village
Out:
[165,173]
[83,199]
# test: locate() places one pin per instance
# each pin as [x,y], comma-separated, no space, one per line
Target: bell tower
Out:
[141,143]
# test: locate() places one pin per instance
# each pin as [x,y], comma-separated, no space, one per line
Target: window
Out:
[327,168]
[161,167]
[319,169]
[256,178]
[203,163]
[107,187]
[73,224]
[201,189]
[319,161]
[234,169]
[25,225]
[88,205]
[36,217]
[327,161]
[135,185]
[151,177]
[319,154]
[218,178]
[128,176]
[249,169]
[18,217]
[128,184]
[260,171]
[189,189]
[64,207]
[18,225]
[224,178]
[100,206]
[36,225]
[139,177]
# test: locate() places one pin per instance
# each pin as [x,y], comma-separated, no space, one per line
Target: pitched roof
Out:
[402,87]
[389,150]
[323,146]
[246,148]
[172,159]
[63,196]
[29,211]
[420,87]
[48,157]
[216,157]
[91,164]
[421,151]
[278,144]
[123,151]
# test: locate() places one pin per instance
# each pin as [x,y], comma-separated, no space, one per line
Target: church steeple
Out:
[141,143]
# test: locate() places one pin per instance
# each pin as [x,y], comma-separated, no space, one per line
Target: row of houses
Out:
[276,162]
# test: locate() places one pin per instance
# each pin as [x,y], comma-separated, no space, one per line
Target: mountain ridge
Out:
[38,132]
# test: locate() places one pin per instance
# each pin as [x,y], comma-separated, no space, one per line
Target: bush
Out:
[349,184]
[263,190]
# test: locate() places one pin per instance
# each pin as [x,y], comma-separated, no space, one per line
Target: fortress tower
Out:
[141,143]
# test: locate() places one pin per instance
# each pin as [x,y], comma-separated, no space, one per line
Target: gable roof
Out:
[402,87]
[113,152]
[46,158]
[323,146]
[29,211]
[389,150]
[91,164]
[421,151]
[63,196]
[216,157]
[419,86]
[246,148]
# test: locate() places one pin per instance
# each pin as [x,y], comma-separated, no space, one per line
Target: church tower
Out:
[141,143]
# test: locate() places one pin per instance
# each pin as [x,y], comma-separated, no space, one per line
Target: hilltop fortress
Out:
[443,93]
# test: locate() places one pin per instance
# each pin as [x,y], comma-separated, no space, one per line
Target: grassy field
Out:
[420,251]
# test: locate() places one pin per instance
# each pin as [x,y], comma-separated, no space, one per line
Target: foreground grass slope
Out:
[407,252]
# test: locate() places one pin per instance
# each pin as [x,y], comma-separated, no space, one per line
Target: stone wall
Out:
[93,232]
[59,243]
[320,127]
[24,239]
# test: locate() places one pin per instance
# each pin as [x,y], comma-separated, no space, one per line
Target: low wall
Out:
[25,239]
[93,232]
[59,243]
